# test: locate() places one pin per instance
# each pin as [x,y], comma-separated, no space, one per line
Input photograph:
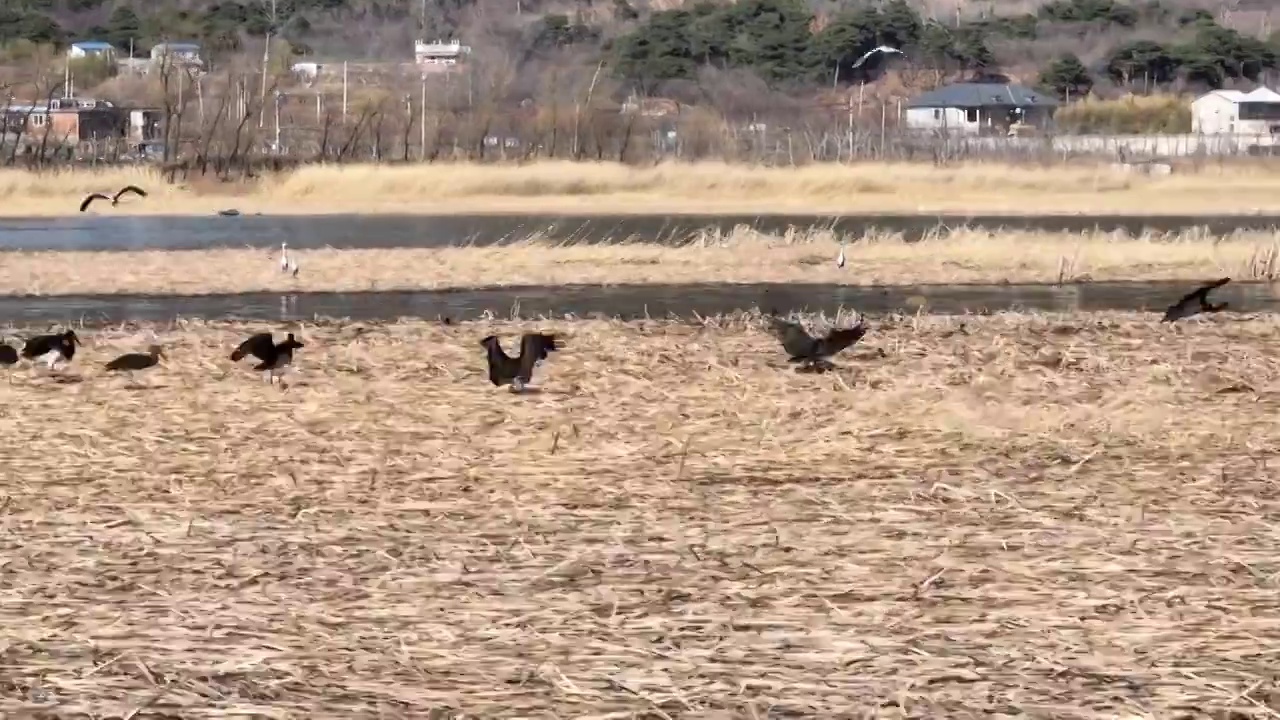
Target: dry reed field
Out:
[1068,517]
[744,256]
[607,188]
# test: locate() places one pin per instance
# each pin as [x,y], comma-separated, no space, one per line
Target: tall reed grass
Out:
[1131,115]
[742,256]
[706,187]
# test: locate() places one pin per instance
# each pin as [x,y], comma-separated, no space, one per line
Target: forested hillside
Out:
[691,47]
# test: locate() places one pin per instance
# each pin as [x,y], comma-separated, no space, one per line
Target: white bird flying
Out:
[882,49]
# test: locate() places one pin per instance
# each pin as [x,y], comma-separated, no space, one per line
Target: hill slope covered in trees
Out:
[1069,46]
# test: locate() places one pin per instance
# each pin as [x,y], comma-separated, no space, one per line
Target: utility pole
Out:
[279,96]
[266,60]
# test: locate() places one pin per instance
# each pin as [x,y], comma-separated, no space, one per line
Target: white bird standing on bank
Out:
[840,257]
[882,49]
[293,267]
[284,257]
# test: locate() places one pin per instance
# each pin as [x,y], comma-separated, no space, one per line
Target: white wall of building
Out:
[951,119]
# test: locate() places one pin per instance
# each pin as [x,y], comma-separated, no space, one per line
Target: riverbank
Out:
[676,511]
[605,188]
[961,257]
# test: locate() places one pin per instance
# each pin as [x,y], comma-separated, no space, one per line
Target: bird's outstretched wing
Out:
[841,338]
[84,204]
[873,51]
[129,188]
[1200,294]
[798,343]
[1193,302]
[499,364]
[260,346]
[534,347]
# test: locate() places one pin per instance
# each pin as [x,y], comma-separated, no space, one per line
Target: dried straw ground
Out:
[739,257]
[1053,517]
[607,188]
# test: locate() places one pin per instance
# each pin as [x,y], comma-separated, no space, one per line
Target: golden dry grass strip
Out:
[607,188]
[737,257]
[1014,519]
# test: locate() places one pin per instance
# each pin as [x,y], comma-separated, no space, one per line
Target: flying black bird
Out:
[1195,302]
[811,352]
[84,204]
[52,347]
[517,371]
[131,362]
[274,356]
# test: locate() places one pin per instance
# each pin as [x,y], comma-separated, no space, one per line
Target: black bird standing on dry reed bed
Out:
[61,346]
[813,353]
[517,371]
[132,362]
[84,204]
[1195,302]
[274,356]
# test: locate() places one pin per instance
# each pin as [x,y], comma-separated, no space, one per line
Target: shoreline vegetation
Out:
[959,257]
[1219,187]
[672,486]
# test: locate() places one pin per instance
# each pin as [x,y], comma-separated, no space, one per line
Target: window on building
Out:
[1259,111]
[37,120]
[971,115]
[937,114]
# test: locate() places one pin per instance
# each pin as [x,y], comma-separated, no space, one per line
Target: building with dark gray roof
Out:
[979,108]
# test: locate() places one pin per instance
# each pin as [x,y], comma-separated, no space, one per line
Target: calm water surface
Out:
[623,301]
[104,232]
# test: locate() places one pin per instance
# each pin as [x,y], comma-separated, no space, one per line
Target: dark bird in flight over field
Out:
[84,204]
[61,346]
[131,362]
[814,352]
[1195,302]
[274,356]
[517,371]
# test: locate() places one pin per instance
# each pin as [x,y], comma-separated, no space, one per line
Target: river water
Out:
[104,232]
[634,301]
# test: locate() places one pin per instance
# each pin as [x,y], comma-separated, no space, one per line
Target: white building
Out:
[178,53]
[1232,112]
[91,49]
[438,55]
[979,108]
[306,71]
